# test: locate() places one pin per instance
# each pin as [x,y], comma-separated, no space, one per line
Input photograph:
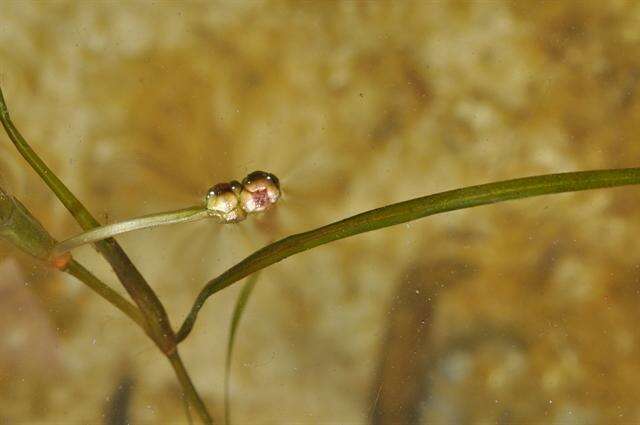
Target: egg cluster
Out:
[231,202]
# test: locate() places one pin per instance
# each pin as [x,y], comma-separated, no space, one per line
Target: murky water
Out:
[516,312]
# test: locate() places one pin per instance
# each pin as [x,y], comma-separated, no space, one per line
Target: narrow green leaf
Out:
[20,228]
[239,308]
[402,212]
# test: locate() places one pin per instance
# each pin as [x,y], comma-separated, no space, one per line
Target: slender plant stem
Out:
[238,311]
[190,392]
[155,316]
[139,290]
[144,222]
[23,230]
[78,271]
[402,212]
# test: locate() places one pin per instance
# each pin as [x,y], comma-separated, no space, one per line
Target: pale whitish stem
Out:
[228,202]
[111,230]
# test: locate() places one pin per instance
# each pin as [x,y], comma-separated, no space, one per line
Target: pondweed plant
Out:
[20,228]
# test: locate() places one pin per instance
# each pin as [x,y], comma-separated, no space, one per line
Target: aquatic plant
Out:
[20,227]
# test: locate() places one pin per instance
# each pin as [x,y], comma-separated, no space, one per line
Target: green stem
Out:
[238,311]
[139,290]
[155,316]
[402,212]
[190,392]
[78,271]
[21,229]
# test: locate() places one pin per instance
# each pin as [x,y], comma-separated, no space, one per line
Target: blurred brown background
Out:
[525,311]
